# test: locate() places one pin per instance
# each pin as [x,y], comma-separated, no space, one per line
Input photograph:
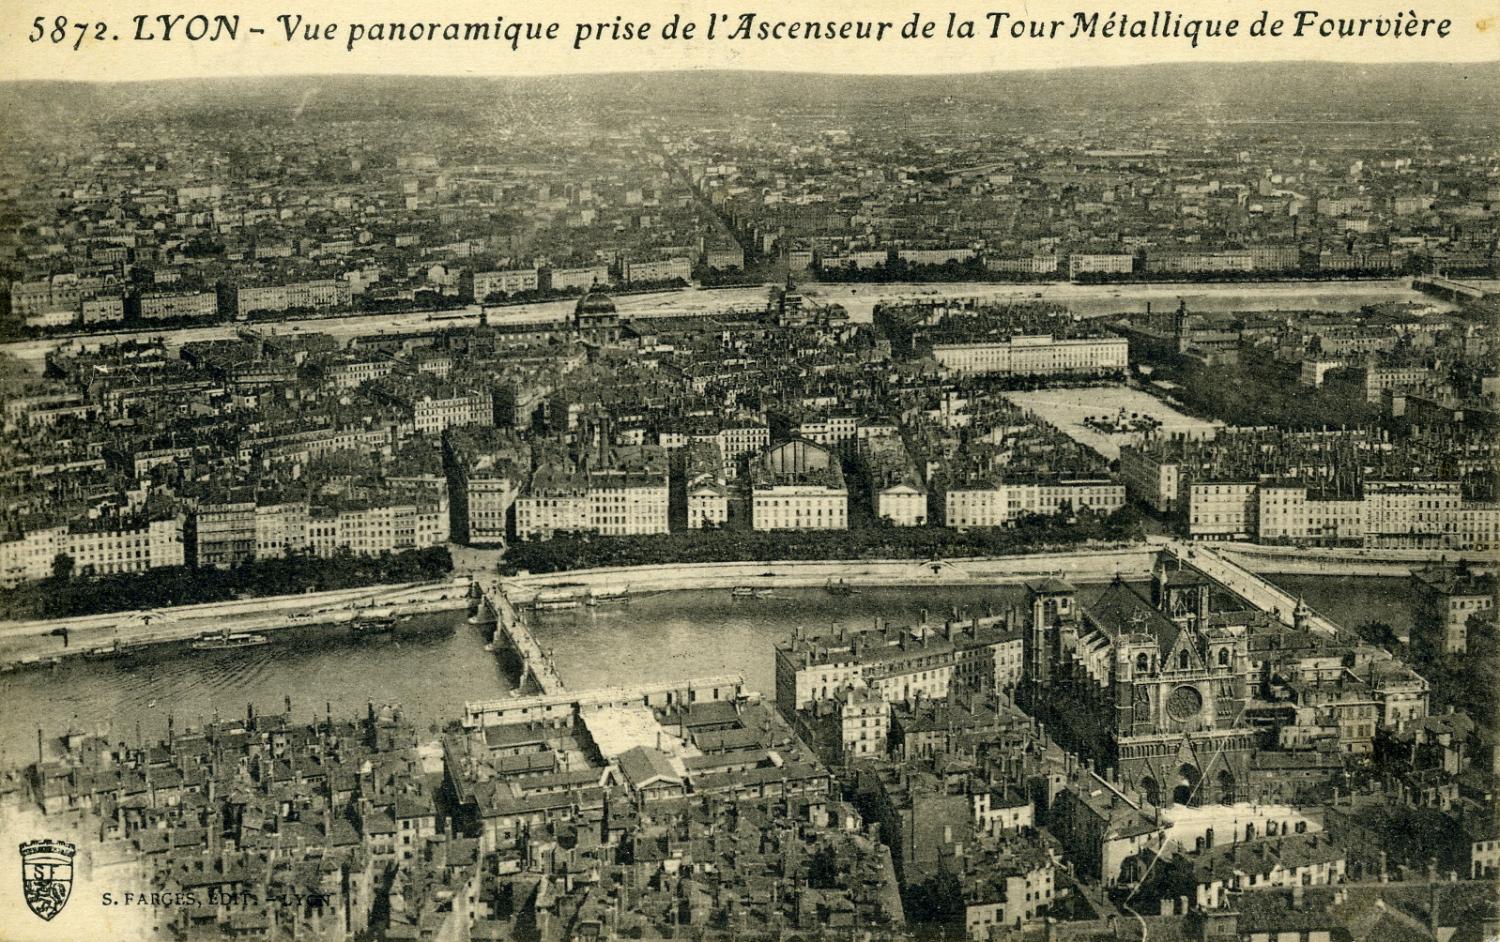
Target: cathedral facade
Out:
[1146,688]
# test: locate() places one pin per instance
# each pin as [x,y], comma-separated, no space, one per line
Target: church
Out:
[1149,689]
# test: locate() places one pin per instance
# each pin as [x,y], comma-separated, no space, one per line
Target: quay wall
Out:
[39,642]
[1315,561]
[1090,566]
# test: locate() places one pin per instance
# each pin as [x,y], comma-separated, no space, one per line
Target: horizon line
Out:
[748,70]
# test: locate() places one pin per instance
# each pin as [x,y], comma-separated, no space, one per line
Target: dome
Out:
[595,302]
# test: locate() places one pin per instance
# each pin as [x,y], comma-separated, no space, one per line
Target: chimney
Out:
[1208,838]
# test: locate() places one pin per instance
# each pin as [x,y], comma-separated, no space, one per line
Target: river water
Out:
[436,663]
[858,299]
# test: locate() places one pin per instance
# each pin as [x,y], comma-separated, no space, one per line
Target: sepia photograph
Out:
[480,473]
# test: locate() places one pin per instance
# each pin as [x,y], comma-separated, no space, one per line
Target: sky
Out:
[1474,36]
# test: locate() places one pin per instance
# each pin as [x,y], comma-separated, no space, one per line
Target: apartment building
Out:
[705,486]
[1447,597]
[221,534]
[1384,515]
[510,281]
[629,497]
[486,470]
[896,664]
[165,305]
[1100,263]
[1223,510]
[1001,504]
[1151,478]
[105,309]
[317,294]
[356,371]
[373,527]
[798,486]
[662,269]
[98,546]
[577,279]
[1288,512]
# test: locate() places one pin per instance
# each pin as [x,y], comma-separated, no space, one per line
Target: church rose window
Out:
[1184,703]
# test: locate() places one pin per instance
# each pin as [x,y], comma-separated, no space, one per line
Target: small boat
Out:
[839,588]
[602,596]
[227,640]
[742,592]
[103,652]
[373,624]
[555,601]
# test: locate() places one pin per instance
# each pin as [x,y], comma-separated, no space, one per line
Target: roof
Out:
[595,302]
[1119,609]
[642,767]
[711,713]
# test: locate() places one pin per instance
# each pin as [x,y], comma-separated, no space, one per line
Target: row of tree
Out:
[65,594]
[1030,534]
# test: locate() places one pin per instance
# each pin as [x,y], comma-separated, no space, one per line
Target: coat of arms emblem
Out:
[47,875]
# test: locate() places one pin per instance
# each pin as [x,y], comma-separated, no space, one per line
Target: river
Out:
[1353,600]
[437,663]
[858,299]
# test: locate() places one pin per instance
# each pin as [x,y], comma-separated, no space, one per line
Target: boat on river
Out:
[555,601]
[227,640]
[839,587]
[374,621]
[604,596]
[103,651]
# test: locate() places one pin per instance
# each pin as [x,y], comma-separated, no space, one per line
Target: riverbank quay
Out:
[26,644]
[859,300]
[41,642]
[1083,566]
[1321,561]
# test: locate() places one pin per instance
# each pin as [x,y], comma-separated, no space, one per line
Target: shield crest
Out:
[47,876]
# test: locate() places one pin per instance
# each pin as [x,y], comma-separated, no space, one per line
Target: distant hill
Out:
[1289,90]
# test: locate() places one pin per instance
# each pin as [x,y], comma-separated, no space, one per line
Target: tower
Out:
[1053,608]
[1301,615]
[1180,594]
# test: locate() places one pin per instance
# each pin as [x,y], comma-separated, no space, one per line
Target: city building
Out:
[798,486]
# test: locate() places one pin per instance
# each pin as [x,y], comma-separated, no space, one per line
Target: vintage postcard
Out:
[497,472]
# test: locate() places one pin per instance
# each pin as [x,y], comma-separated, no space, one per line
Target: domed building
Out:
[595,319]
